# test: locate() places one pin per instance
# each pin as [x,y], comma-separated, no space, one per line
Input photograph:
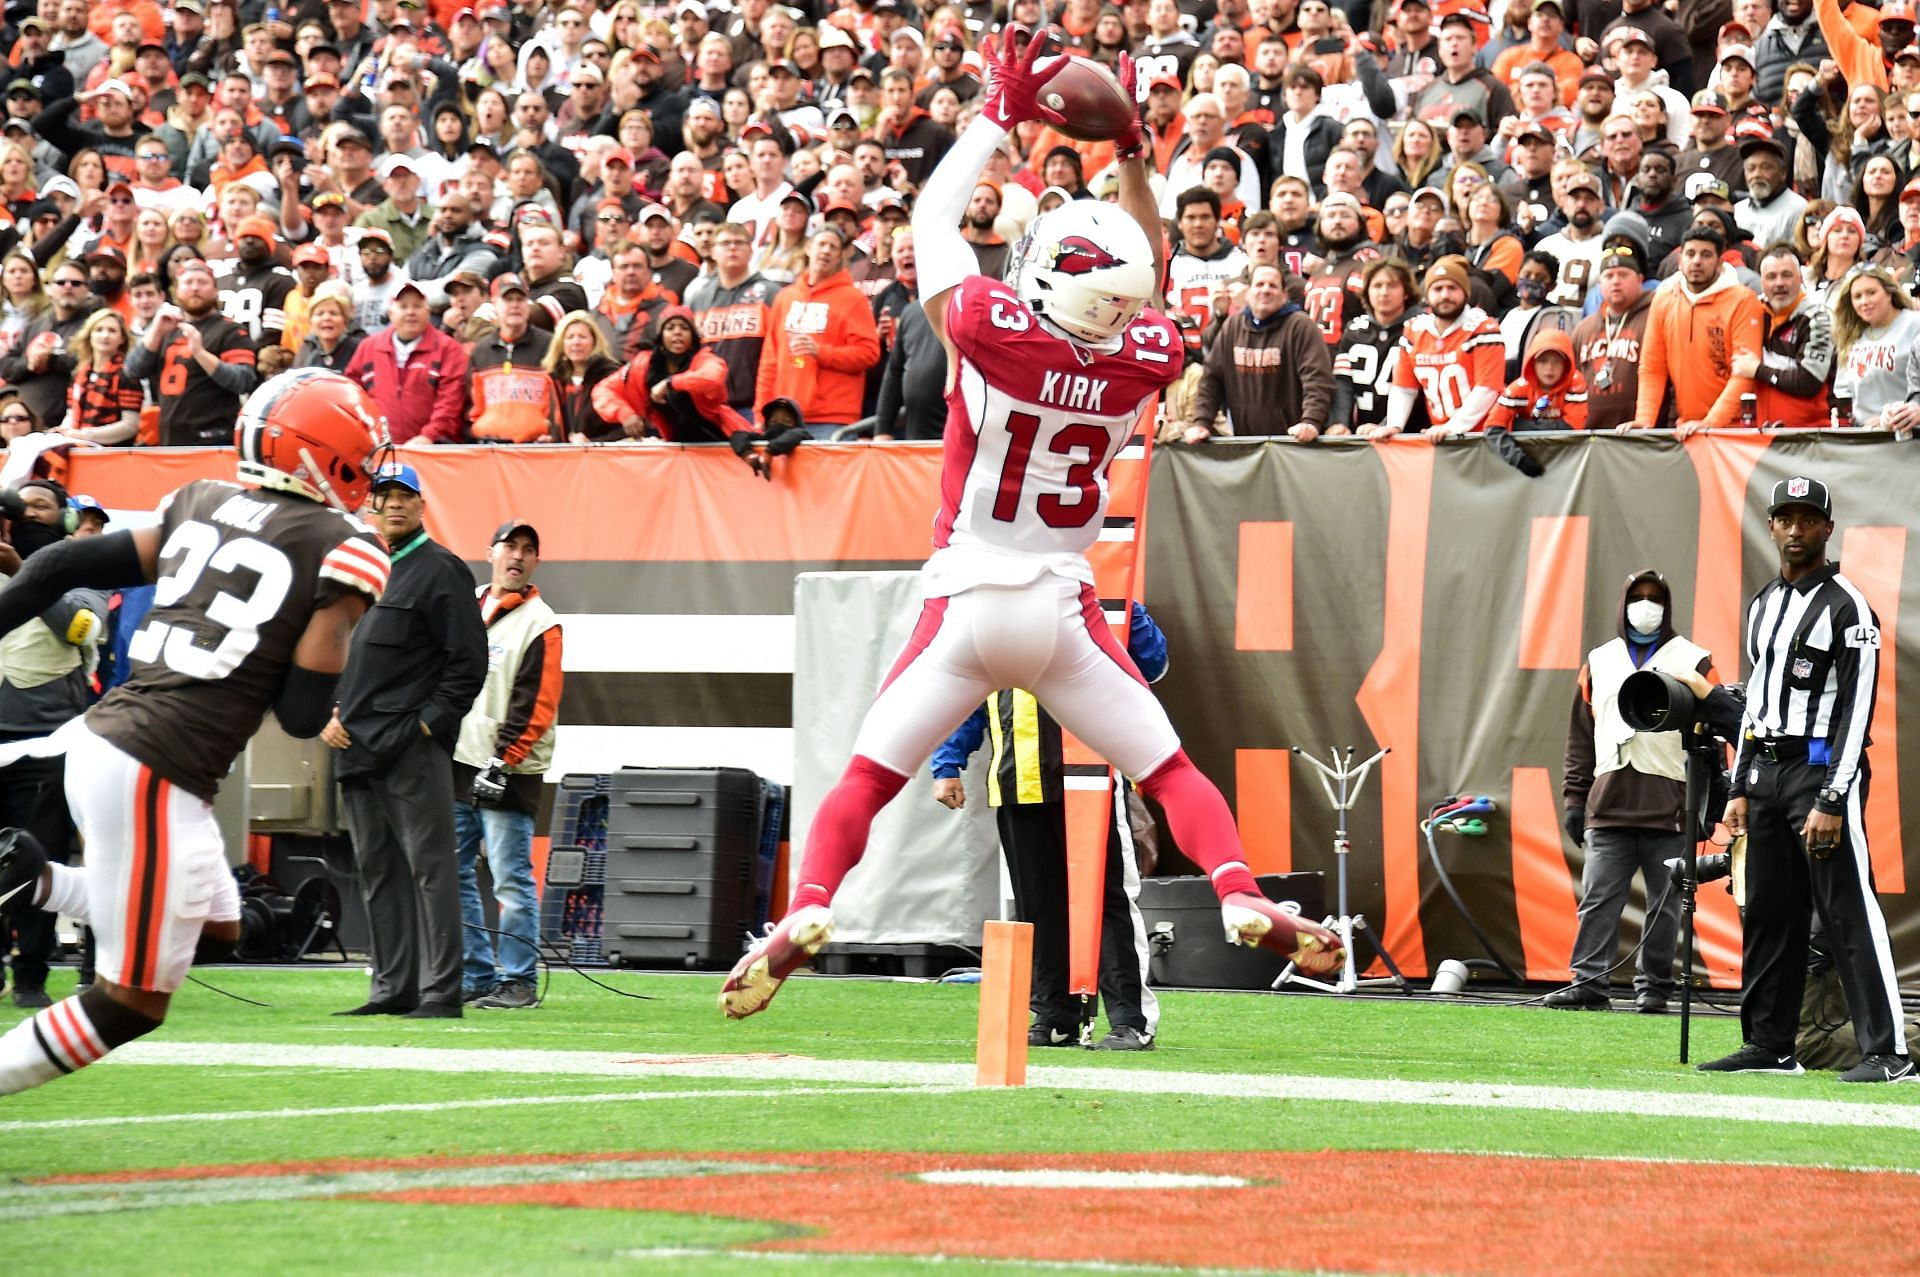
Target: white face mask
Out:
[1645,615]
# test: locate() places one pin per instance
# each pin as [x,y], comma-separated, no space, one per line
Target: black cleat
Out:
[435,1011]
[1124,1038]
[35,999]
[1881,1068]
[1651,1003]
[22,862]
[1754,1059]
[378,1008]
[1047,1035]
[1578,997]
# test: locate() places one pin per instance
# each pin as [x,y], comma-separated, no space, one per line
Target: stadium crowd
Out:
[527,223]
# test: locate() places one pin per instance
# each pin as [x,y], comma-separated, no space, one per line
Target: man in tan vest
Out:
[1624,792]
[504,750]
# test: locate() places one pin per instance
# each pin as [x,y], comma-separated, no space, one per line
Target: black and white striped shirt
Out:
[1814,646]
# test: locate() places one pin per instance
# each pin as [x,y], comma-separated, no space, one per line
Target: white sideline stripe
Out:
[676,643]
[445,1106]
[767,751]
[800,1069]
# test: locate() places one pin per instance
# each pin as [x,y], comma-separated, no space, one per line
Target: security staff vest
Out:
[1615,745]
[512,632]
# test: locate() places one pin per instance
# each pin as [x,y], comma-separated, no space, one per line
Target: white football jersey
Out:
[1033,422]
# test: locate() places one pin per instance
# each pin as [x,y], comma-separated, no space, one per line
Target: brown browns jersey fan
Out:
[1334,292]
[240,573]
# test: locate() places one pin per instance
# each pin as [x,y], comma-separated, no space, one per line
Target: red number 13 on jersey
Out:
[1023,430]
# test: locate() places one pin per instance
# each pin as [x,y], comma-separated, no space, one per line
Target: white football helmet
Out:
[1087,269]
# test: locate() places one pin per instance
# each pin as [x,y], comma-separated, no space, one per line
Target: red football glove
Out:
[1013,86]
[1132,144]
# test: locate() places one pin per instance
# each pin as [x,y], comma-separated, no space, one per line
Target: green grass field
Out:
[483,1110]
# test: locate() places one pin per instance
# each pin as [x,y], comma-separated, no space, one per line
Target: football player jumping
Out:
[258,586]
[1046,380]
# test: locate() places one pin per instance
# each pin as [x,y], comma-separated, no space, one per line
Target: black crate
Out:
[659,802]
[1188,948]
[682,919]
[713,903]
[693,945]
[571,901]
[907,961]
[729,860]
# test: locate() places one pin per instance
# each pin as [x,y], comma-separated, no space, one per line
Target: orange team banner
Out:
[1429,598]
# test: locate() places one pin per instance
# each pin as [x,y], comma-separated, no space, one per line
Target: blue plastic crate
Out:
[571,899]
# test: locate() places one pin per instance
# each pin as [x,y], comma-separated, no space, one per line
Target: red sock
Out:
[838,837]
[1202,825]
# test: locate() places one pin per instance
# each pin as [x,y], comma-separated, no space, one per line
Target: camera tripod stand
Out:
[1702,758]
[1341,783]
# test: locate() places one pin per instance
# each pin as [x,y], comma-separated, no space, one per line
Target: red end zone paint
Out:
[1346,1211]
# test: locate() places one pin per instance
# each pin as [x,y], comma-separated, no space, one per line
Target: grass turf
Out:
[1240,1034]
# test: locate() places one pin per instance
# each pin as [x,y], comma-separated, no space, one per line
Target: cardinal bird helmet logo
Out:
[1078,255]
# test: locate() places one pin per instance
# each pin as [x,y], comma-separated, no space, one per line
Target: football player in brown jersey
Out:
[257,587]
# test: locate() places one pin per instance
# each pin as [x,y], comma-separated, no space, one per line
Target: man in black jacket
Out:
[114,136]
[47,71]
[41,367]
[456,245]
[1668,213]
[417,661]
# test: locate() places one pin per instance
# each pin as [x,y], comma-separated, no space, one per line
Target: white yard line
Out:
[1693,1106]
[444,1106]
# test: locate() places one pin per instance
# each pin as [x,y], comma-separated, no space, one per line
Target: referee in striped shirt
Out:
[1799,789]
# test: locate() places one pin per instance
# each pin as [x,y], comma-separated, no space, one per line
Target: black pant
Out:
[33,798]
[1034,837]
[1781,878]
[402,825]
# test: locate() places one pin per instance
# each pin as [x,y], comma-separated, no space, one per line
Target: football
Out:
[1082,99]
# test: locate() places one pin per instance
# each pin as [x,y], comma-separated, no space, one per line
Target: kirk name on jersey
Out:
[1033,422]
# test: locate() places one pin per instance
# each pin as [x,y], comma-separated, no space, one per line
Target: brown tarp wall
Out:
[1437,601]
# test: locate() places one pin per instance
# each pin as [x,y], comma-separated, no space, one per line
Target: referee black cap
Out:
[1800,490]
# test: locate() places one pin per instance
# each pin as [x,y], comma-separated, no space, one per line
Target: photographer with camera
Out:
[1625,794]
[504,750]
[1799,791]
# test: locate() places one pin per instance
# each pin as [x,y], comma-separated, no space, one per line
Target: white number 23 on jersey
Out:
[193,549]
